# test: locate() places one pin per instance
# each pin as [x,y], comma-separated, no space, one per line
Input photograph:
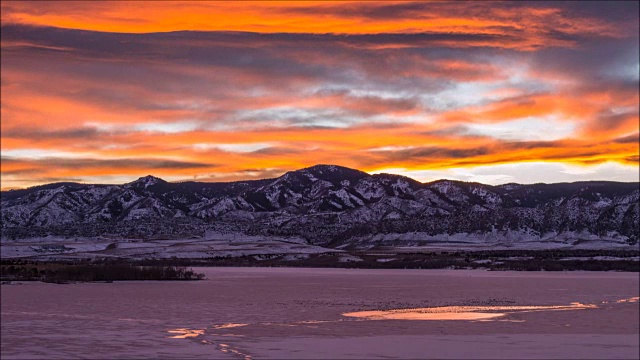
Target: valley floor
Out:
[242,250]
[256,313]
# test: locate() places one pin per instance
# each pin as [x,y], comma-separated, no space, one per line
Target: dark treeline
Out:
[82,272]
[549,254]
[518,260]
[176,269]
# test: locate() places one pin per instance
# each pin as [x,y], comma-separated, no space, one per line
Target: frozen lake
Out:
[256,313]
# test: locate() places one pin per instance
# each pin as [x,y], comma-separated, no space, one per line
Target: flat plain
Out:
[256,313]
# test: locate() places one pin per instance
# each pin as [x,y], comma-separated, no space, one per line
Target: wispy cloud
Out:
[183,89]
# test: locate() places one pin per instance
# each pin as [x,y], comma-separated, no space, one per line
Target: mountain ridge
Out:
[329,204]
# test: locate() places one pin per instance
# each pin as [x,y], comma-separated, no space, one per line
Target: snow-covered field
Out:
[212,245]
[497,240]
[279,313]
[216,244]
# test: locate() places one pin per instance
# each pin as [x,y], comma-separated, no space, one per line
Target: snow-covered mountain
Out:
[331,206]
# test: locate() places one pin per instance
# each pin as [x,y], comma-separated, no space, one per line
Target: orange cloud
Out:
[527,27]
[96,91]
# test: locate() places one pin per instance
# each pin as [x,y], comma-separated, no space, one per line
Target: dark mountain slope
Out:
[329,204]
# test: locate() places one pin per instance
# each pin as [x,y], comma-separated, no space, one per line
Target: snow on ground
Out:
[50,246]
[230,236]
[349,258]
[294,257]
[214,245]
[606,258]
[221,244]
[496,240]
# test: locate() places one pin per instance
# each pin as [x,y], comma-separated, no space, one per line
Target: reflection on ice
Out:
[633,299]
[316,321]
[228,326]
[459,312]
[419,314]
[225,348]
[185,333]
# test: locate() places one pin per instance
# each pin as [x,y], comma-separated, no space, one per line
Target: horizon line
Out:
[305,168]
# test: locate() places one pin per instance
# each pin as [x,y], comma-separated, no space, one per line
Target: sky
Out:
[493,92]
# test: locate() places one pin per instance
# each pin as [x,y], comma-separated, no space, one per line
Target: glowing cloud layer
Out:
[481,91]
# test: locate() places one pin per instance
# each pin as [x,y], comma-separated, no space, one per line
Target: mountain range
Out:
[331,206]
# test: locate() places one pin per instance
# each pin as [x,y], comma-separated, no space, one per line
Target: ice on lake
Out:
[256,313]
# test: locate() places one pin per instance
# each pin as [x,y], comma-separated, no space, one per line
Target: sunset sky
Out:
[494,92]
